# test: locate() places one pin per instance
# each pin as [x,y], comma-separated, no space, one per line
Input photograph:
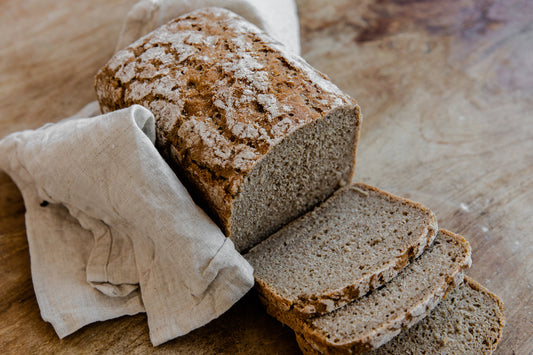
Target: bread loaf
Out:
[469,321]
[255,132]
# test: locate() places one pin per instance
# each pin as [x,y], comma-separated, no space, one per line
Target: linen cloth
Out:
[278,18]
[112,231]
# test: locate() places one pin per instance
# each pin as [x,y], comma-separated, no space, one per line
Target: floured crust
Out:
[223,94]
[318,339]
[309,349]
[307,306]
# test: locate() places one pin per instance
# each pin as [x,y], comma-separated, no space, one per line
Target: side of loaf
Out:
[377,317]
[257,134]
[354,242]
[469,321]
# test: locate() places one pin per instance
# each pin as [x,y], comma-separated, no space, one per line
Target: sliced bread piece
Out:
[376,318]
[358,239]
[258,135]
[469,321]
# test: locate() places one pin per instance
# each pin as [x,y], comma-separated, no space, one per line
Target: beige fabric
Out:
[279,18]
[112,231]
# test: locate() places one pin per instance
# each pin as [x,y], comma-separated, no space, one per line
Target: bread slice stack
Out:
[364,266]
[260,137]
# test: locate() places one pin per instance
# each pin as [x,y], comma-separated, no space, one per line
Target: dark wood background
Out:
[446,88]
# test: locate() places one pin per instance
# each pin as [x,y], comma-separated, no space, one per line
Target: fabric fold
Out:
[112,231]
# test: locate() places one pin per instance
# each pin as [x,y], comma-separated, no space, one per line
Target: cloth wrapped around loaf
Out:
[111,229]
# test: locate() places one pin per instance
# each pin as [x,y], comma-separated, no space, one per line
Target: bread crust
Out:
[223,94]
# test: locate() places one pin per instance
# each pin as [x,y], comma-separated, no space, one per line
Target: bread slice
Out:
[469,321]
[258,136]
[358,239]
[374,319]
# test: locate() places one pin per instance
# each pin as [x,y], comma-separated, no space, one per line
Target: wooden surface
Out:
[447,93]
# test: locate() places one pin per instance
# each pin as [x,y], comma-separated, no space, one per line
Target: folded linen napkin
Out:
[104,215]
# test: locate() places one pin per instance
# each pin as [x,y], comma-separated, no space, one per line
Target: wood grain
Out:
[447,93]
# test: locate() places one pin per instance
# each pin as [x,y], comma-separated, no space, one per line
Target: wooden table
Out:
[447,93]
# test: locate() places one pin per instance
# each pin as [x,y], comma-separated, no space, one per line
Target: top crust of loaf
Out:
[223,93]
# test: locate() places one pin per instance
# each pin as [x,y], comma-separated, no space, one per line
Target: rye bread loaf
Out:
[376,318]
[469,321]
[355,241]
[258,136]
